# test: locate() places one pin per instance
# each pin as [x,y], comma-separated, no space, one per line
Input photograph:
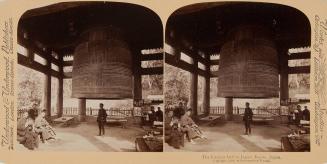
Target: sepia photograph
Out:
[237,78]
[90,78]
[152,81]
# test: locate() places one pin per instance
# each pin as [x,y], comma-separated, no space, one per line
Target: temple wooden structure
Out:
[200,31]
[53,32]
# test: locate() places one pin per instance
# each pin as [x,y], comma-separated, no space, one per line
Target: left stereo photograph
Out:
[90,78]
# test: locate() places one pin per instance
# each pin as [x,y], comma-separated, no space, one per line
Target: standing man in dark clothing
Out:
[152,116]
[247,118]
[298,115]
[306,114]
[159,115]
[101,119]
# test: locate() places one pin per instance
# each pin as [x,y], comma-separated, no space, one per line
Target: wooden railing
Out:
[256,111]
[94,112]
[111,112]
[132,112]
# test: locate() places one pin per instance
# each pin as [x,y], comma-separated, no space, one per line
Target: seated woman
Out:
[172,128]
[21,129]
[25,132]
[189,127]
[43,127]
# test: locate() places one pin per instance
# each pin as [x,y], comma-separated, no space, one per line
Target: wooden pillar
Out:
[60,88]
[284,90]
[137,90]
[229,108]
[81,109]
[47,89]
[206,98]
[194,89]
[30,52]
[30,55]
[137,87]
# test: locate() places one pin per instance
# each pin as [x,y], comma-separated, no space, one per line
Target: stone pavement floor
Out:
[83,137]
[229,137]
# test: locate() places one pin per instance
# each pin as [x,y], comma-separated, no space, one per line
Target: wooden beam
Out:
[34,48]
[202,72]
[68,75]
[214,62]
[214,74]
[152,57]
[25,61]
[299,70]
[196,57]
[171,60]
[152,71]
[302,55]
[67,63]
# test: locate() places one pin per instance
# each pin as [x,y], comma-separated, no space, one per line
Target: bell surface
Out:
[102,67]
[248,66]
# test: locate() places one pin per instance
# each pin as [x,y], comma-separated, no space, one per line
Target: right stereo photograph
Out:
[237,78]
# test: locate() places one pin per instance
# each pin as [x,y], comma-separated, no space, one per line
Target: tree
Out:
[177,86]
[30,87]
[152,84]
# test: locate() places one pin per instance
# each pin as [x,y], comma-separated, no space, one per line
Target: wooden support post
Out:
[194,90]
[81,109]
[284,93]
[60,89]
[206,98]
[137,78]
[137,87]
[47,90]
[30,55]
[229,109]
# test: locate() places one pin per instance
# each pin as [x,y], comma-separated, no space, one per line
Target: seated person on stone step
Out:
[189,127]
[172,128]
[25,132]
[179,111]
[43,128]
[32,138]
[21,129]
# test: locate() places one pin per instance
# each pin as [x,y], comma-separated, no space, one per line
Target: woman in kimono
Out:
[25,132]
[172,128]
[189,127]
[43,127]
[21,129]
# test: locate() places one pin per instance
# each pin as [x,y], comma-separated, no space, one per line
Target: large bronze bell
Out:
[102,67]
[248,66]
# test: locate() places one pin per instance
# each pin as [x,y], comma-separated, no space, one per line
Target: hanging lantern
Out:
[248,66]
[102,67]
